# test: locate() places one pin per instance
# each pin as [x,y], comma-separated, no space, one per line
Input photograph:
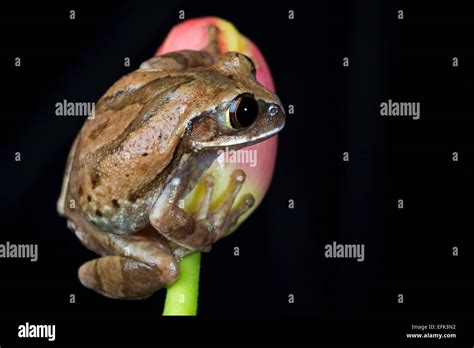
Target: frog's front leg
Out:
[136,265]
[201,230]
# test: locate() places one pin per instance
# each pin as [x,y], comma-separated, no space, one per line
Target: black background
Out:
[408,251]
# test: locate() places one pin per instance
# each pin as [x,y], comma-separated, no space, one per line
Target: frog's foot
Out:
[143,266]
[222,218]
[201,230]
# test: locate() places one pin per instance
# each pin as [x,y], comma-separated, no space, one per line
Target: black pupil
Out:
[246,112]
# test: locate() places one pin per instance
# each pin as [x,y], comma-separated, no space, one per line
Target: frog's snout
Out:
[276,116]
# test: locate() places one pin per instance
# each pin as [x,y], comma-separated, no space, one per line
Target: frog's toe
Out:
[245,203]
[203,210]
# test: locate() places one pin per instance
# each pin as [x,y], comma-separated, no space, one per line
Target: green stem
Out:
[182,296]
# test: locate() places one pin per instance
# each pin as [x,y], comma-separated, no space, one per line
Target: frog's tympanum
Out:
[155,132]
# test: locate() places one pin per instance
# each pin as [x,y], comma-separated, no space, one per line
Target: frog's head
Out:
[245,112]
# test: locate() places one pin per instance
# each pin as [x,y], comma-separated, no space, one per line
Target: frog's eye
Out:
[242,112]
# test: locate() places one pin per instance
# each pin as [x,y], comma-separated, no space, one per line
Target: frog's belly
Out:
[124,219]
[108,206]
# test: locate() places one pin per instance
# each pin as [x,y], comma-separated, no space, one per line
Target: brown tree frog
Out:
[155,132]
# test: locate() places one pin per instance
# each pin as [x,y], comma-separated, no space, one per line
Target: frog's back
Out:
[123,150]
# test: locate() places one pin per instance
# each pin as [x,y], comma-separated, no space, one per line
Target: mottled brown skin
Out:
[154,133]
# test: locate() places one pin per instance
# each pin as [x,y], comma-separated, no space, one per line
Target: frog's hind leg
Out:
[178,61]
[138,266]
[186,59]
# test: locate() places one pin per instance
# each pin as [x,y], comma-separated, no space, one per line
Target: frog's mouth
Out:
[247,140]
[266,125]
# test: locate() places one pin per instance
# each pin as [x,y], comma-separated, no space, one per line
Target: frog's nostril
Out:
[272,110]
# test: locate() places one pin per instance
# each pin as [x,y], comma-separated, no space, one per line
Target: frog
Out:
[153,135]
